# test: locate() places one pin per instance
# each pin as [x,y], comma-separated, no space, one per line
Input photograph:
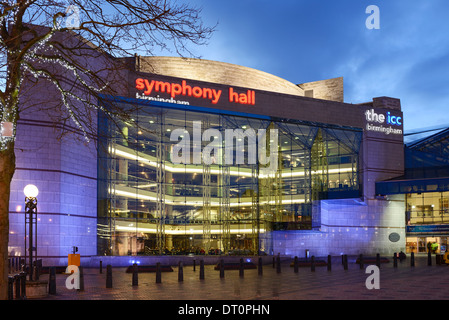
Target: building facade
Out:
[224,160]
[425,186]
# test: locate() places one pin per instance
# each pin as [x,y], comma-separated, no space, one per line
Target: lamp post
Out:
[31,192]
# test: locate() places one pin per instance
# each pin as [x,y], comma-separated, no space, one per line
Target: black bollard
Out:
[221,268]
[278,263]
[10,288]
[135,278]
[412,259]
[242,268]
[52,281]
[108,276]
[35,273]
[201,269]
[17,280]
[429,258]
[312,264]
[23,280]
[81,275]
[101,267]
[378,260]
[180,272]
[260,267]
[295,265]
[329,263]
[361,261]
[345,262]
[395,260]
[274,262]
[158,273]
[194,265]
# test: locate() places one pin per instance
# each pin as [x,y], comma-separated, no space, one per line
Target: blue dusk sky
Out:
[303,41]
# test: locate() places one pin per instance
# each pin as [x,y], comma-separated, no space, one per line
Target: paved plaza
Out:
[401,283]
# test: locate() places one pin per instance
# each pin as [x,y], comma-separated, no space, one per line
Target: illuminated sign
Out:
[376,121]
[151,87]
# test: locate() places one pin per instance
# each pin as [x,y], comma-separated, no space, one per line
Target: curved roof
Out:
[218,72]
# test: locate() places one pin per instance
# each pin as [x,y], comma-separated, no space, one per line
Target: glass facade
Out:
[425,185]
[151,204]
[428,208]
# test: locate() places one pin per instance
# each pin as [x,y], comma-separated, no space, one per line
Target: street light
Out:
[31,192]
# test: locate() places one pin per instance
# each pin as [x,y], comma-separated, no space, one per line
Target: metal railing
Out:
[16,278]
[17,272]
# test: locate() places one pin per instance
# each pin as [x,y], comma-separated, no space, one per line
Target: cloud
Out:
[305,41]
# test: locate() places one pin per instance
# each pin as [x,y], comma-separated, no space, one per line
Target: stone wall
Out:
[65,172]
[216,72]
[331,89]
[349,227]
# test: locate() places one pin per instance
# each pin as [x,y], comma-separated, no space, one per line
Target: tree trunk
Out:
[7,168]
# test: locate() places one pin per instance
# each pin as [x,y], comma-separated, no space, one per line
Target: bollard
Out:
[278,263]
[329,263]
[274,262]
[135,278]
[194,265]
[180,272]
[108,276]
[242,268]
[378,260]
[38,268]
[295,265]
[35,273]
[201,269]
[81,275]
[429,258]
[412,259]
[312,264]
[221,268]
[361,261]
[158,273]
[395,260]
[10,288]
[101,267]
[52,281]
[23,280]
[17,281]
[260,267]
[345,262]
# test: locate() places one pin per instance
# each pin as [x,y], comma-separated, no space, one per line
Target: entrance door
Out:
[422,245]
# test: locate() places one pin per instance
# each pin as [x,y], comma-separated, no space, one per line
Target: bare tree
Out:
[71,46]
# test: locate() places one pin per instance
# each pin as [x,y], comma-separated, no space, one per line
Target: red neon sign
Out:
[175,89]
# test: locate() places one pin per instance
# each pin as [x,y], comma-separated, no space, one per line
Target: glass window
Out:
[151,203]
